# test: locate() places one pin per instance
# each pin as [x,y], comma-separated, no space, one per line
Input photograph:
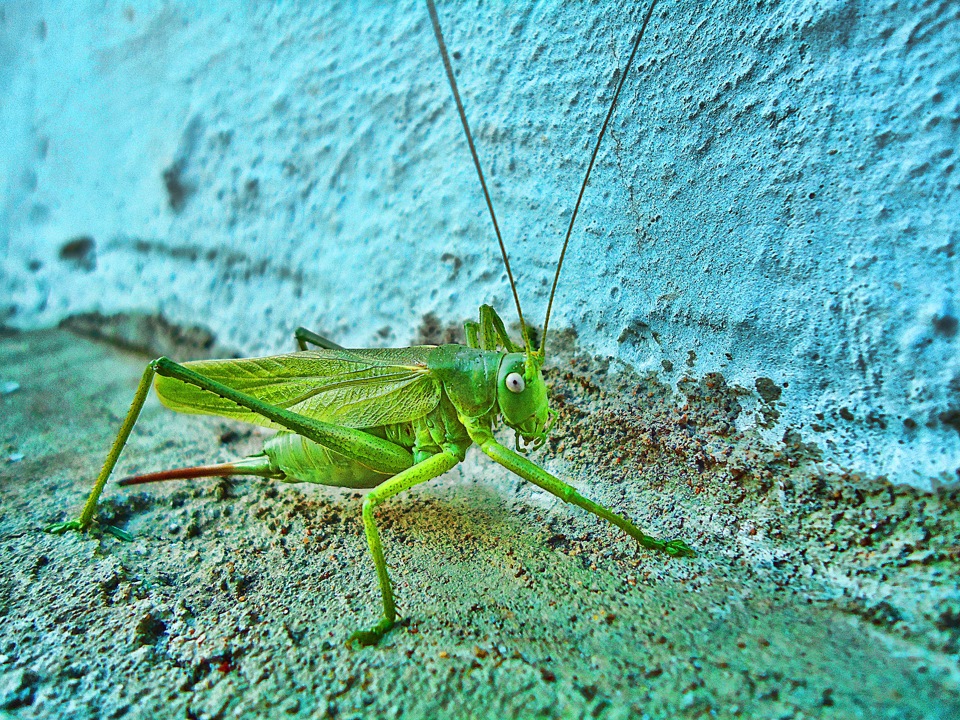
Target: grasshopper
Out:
[380,419]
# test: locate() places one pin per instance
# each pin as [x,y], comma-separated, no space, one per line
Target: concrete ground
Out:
[816,592]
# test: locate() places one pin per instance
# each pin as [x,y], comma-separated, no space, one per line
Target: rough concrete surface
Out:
[754,348]
[813,595]
[776,200]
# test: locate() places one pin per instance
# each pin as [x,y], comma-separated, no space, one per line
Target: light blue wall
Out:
[778,194]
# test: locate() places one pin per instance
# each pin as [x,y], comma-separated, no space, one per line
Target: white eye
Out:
[515,383]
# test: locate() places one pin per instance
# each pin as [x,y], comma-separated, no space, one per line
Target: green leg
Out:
[541,478]
[489,333]
[376,453]
[492,330]
[304,336]
[430,468]
[471,329]
[89,509]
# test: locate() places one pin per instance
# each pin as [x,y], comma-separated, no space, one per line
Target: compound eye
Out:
[515,383]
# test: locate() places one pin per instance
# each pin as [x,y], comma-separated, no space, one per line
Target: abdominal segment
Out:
[302,460]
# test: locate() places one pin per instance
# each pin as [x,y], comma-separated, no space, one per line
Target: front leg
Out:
[541,478]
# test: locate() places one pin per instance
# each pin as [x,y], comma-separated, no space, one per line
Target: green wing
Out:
[352,388]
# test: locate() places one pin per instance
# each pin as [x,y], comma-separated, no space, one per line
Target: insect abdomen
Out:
[301,460]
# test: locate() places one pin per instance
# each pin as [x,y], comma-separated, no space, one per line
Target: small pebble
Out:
[15,457]
[8,386]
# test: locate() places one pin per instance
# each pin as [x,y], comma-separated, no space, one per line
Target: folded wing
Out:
[352,388]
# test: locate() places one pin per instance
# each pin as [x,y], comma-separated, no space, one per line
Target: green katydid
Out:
[380,419]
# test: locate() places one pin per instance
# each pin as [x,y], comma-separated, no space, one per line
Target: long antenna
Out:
[476,160]
[593,157]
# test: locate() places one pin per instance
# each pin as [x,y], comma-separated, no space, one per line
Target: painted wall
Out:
[777,199]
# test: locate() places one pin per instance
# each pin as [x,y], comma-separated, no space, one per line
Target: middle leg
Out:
[432,467]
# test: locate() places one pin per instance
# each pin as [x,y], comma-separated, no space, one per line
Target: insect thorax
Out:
[468,376]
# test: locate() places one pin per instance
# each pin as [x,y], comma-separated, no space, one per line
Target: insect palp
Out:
[525,446]
[552,416]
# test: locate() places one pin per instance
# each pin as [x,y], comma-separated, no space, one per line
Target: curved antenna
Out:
[593,157]
[476,161]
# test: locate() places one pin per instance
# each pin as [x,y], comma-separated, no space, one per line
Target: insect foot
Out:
[373,636]
[678,548]
[79,526]
[62,527]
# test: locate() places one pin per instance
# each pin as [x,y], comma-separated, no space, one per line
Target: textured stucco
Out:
[777,198]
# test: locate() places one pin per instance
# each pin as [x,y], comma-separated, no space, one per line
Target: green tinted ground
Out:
[815,593]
